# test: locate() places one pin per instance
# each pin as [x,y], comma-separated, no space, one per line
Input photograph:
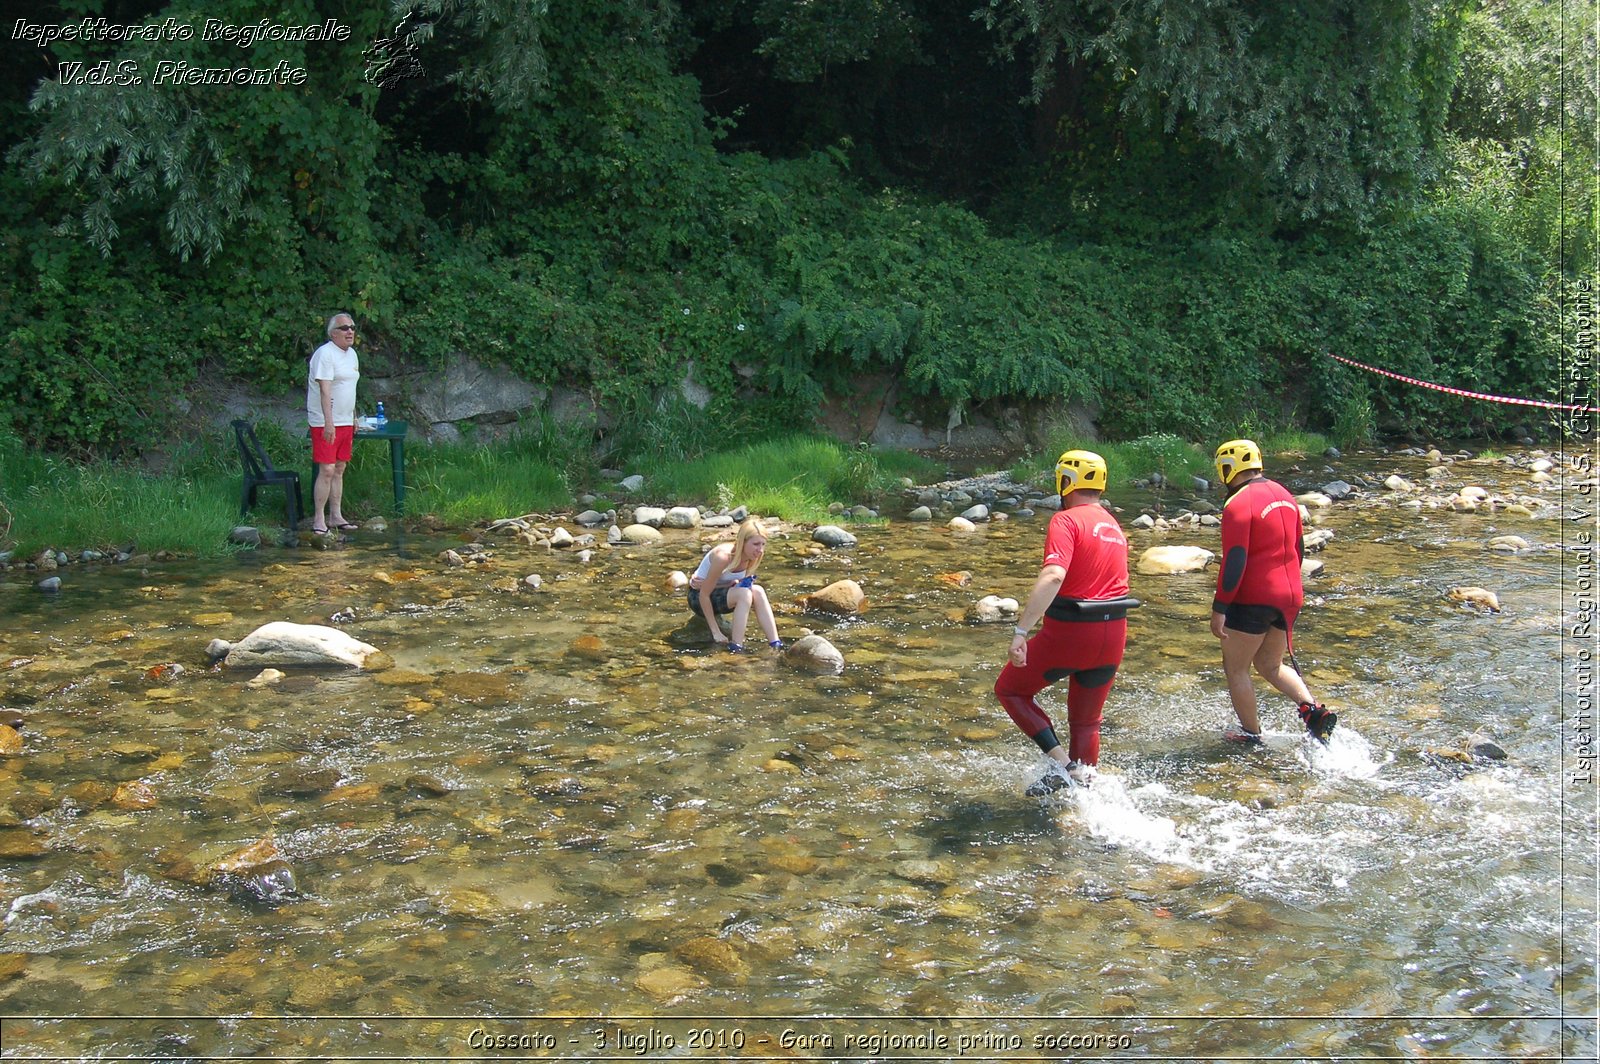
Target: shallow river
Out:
[516,843]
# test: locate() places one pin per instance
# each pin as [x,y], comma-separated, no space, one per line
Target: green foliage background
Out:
[1169,210]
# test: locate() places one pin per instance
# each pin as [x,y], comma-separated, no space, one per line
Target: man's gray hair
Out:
[334,320]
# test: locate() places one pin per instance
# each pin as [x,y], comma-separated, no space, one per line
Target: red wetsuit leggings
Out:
[1086,651]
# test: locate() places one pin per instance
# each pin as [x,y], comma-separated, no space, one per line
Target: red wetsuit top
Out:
[1261,549]
[1088,543]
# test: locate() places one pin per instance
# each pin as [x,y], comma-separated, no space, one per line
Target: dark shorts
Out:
[1253,620]
[719,600]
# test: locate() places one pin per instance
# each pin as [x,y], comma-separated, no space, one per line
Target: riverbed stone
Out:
[20,844]
[265,678]
[669,983]
[10,741]
[710,954]
[814,654]
[286,643]
[681,517]
[560,538]
[1337,489]
[961,524]
[1317,538]
[833,536]
[921,513]
[591,518]
[49,585]
[1171,560]
[134,795]
[1314,500]
[245,535]
[1476,597]
[641,534]
[992,609]
[649,515]
[842,597]
[1397,483]
[1509,544]
[1311,568]
[980,512]
[631,483]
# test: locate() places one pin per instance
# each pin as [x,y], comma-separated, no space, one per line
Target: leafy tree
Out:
[1335,107]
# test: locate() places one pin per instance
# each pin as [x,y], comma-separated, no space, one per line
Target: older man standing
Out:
[331,412]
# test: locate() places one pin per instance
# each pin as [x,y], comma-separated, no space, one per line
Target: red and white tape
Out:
[1462,391]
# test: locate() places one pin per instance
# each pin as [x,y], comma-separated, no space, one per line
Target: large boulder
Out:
[812,653]
[1166,561]
[282,643]
[842,597]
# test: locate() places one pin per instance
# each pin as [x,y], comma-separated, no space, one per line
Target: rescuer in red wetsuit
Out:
[1259,591]
[1081,594]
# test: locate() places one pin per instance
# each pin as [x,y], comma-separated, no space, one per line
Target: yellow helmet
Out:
[1080,469]
[1236,456]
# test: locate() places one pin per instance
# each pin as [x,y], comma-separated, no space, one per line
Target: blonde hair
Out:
[751,527]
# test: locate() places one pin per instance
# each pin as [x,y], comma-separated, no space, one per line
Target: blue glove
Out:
[748,581]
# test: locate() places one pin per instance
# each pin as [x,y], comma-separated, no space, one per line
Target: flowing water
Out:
[523,843]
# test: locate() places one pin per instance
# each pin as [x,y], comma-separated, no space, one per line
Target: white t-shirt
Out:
[328,363]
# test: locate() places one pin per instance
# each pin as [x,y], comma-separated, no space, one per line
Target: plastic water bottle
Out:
[380,420]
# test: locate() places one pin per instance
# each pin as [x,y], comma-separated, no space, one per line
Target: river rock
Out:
[961,524]
[992,609]
[812,653]
[979,512]
[1398,483]
[134,795]
[1316,538]
[1310,568]
[677,580]
[1143,521]
[633,483]
[649,515]
[560,538]
[245,535]
[833,536]
[1337,489]
[921,513]
[668,984]
[258,873]
[265,678]
[641,534]
[709,954]
[1476,597]
[681,517]
[287,643]
[10,741]
[1167,561]
[718,521]
[49,585]
[1314,500]
[842,597]
[1462,504]
[1474,493]
[533,581]
[1510,544]
[591,518]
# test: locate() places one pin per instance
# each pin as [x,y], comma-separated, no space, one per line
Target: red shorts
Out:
[325,453]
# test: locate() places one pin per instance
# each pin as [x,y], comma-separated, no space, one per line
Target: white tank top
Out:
[728,579]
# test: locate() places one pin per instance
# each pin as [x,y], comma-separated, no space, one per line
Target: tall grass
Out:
[1176,459]
[66,505]
[794,477]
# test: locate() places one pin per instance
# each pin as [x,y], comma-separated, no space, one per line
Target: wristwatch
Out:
[1019,630]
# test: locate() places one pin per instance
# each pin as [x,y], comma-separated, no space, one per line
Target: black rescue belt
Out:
[1071,609]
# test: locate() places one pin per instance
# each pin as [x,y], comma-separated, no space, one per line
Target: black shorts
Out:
[1253,620]
[719,600]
